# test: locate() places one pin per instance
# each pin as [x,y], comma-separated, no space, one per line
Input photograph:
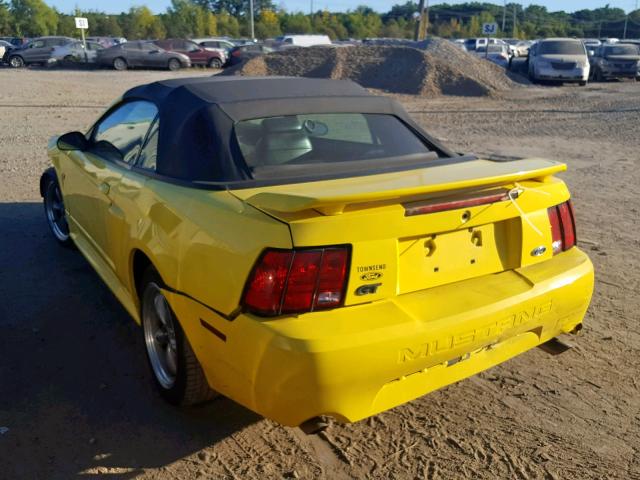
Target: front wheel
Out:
[120,64]
[174,64]
[176,371]
[16,61]
[55,211]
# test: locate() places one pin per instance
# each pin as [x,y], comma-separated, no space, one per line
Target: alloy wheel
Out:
[54,209]
[160,336]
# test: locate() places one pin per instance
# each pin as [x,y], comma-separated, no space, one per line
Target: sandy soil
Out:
[75,394]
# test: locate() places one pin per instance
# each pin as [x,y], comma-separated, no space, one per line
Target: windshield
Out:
[324,140]
[621,50]
[561,47]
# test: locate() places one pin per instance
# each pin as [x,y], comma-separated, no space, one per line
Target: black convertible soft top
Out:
[197,117]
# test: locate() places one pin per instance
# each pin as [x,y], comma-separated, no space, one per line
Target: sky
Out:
[158,6]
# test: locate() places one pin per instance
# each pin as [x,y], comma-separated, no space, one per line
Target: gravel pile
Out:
[439,68]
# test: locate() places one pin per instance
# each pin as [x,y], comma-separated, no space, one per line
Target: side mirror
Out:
[591,53]
[72,141]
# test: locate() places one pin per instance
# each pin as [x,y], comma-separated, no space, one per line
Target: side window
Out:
[37,44]
[126,127]
[149,151]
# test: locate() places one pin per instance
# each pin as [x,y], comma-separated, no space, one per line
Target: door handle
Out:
[104,187]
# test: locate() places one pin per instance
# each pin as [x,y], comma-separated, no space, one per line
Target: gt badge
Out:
[367,289]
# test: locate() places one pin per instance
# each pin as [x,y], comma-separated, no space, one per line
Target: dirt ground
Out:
[75,394]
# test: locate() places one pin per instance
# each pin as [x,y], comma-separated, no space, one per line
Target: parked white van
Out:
[303,40]
[559,59]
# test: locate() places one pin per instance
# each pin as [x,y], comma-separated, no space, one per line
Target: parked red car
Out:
[197,54]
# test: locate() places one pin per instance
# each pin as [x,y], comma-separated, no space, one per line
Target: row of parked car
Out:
[172,53]
[563,59]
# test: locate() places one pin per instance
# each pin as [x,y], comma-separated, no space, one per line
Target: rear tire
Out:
[16,61]
[598,77]
[582,83]
[176,372]
[174,64]
[54,210]
[120,64]
[215,63]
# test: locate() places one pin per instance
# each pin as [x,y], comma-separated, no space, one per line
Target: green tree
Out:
[5,19]
[141,23]
[66,26]
[228,25]
[268,25]
[296,23]
[187,19]
[236,8]
[363,22]
[33,18]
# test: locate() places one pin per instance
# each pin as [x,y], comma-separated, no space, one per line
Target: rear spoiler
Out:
[331,197]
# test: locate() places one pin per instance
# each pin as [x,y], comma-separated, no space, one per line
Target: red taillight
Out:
[236,53]
[563,227]
[297,281]
[268,280]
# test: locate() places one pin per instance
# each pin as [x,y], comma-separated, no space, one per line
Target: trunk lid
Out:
[418,229]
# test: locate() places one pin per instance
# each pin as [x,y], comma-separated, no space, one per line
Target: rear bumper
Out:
[357,361]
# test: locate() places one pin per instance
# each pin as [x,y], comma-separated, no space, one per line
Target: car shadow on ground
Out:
[75,390]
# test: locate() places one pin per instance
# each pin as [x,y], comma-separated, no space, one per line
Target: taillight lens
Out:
[297,281]
[563,227]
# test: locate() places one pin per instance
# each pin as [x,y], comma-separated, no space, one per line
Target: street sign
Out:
[82,23]
[489,28]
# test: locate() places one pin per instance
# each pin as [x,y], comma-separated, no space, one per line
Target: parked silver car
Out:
[141,54]
[559,60]
[37,50]
[75,52]
[498,54]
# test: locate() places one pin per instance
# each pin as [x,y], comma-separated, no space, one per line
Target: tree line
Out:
[198,18]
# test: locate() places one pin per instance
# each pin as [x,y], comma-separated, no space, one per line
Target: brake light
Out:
[297,281]
[236,53]
[563,227]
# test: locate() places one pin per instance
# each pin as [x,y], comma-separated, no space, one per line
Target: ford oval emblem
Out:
[367,277]
[536,252]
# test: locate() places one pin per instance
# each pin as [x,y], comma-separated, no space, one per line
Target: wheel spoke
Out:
[171,360]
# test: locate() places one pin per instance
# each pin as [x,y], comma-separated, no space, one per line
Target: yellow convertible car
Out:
[306,249]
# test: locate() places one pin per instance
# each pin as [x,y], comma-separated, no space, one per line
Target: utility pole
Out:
[423,21]
[504,16]
[416,35]
[311,9]
[425,25]
[626,20]
[513,33]
[253,35]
